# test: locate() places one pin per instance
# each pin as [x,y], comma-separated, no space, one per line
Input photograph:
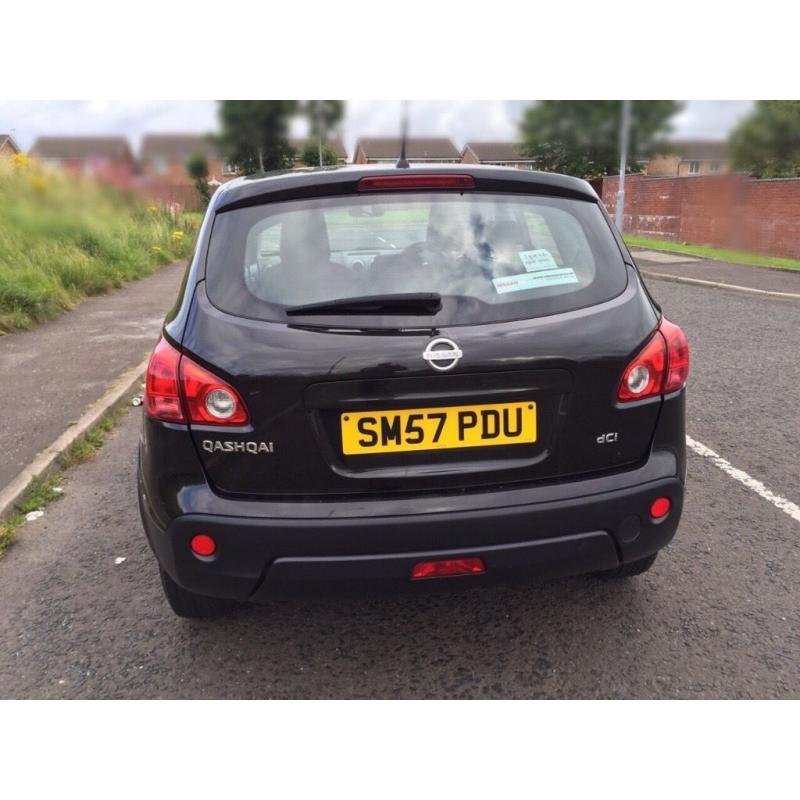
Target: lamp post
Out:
[624,130]
[319,129]
[402,162]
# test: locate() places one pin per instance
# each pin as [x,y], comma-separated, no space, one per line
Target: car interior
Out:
[458,250]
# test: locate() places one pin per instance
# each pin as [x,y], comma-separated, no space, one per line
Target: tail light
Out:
[209,400]
[162,395]
[678,352]
[178,390]
[662,366]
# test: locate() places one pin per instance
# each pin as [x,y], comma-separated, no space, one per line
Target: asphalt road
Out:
[718,616]
[63,366]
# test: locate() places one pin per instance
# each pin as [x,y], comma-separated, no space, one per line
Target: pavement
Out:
[677,265]
[53,372]
[718,616]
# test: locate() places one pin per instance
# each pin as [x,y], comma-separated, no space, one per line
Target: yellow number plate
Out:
[365,432]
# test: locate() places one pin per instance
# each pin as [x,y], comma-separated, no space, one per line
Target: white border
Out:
[376,48]
[399,750]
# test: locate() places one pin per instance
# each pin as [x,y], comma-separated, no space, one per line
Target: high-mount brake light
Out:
[178,390]
[377,183]
[661,366]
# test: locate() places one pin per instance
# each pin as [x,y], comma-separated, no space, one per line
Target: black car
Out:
[408,377]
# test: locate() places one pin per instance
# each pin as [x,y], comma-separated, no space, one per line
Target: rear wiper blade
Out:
[411,303]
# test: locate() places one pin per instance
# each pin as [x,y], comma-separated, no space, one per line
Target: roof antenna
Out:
[402,162]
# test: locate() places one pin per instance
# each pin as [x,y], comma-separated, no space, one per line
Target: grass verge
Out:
[715,253]
[43,492]
[63,238]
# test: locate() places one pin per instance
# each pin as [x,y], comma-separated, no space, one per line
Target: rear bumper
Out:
[273,549]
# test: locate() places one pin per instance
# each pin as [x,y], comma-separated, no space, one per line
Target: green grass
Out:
[85,447]
[716,253]
[194,218]
[8,531]
[41,493]
[64,238]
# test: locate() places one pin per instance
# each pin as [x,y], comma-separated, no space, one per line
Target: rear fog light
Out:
[447,568]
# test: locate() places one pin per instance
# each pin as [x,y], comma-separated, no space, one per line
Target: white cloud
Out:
[710,119]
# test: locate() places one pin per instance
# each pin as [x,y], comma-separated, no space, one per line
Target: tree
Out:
[197,168]
[581,137]
[324,115]
[254,134]
[310,154]
[767,142]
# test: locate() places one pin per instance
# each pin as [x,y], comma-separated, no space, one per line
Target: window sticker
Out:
[534,260]
[534,280]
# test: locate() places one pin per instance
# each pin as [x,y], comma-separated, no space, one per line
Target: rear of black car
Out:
[397,376]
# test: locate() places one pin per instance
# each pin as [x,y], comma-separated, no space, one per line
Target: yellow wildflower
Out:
[38,182]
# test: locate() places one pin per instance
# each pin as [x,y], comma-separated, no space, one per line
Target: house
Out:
[383,150]
[8,147]
[690,157]
[501,154]
[163,158]
[107,158]
[334,142]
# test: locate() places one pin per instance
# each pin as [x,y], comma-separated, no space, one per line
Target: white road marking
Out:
[787,506]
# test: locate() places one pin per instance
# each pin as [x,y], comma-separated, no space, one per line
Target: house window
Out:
[160,165]
[714,166]
[694,167]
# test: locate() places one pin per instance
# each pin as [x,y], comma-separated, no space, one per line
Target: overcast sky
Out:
[461,120]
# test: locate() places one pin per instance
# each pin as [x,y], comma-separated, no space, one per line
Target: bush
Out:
[197,169]
[310,154]
[63,238]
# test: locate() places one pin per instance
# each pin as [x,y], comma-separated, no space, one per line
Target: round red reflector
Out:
[660,507]
[203,545]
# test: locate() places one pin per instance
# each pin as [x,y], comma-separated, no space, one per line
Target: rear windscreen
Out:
[491,257]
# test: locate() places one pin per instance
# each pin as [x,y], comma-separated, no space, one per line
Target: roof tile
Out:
[416,147]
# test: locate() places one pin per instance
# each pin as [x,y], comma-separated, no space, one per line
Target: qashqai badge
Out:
[442,354]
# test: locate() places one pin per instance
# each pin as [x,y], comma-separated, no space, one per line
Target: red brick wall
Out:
[760,216]
[774,221]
